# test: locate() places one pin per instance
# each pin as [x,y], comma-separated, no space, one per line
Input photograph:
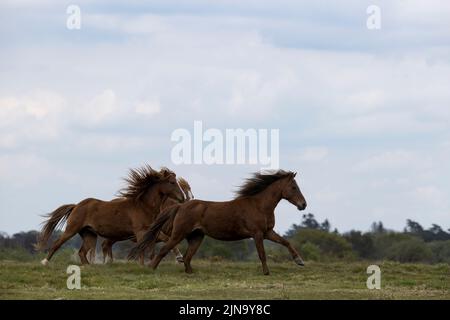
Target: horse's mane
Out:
[184,184]
[141,179]
[260,181]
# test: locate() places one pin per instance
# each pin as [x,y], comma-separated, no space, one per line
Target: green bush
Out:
[330,245]
[310,251]
[410,250]
[440,250]
[16,254]
[383,242]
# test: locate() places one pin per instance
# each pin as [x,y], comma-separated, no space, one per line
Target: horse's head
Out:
[169,186]
[291,192]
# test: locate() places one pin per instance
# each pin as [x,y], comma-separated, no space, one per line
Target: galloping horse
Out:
[168,202]
[249,215]
[123,218]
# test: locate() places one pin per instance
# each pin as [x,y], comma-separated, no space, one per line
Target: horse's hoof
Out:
[180,259]
[299,261]
[44,262]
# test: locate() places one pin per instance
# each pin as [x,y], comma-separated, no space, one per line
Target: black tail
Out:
[151,235]
[55,219]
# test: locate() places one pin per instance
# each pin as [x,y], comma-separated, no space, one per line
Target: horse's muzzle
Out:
[301,206]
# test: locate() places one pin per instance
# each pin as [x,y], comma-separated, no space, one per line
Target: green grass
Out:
[222,280]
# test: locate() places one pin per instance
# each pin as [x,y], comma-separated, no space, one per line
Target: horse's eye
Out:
[293,188]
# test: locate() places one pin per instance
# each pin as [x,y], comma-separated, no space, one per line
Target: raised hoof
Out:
[44,262]
[180,259]
[299,261]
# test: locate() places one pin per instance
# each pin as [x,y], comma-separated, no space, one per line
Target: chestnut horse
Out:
[124,218]
[108,243]
[249,215]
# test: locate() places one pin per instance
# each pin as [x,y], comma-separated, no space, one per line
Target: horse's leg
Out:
[139,235]
[275,237]
[70,231]
[178,256]
[169,245]
[259,242]
[89,243]
[194,241]
[107,250]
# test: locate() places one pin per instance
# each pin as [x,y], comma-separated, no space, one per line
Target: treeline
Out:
[315,240]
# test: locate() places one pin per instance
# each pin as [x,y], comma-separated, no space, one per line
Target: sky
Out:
[363,115]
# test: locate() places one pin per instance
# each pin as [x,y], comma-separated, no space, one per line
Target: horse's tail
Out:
[55,219]
[151,235]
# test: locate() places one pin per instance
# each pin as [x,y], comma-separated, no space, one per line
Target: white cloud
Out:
[313,154]
[149,107]
[393,160]
[101,107]
[431,195]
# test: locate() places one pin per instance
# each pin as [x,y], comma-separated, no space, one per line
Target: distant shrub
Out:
[410,250]
[331,245]
[16,254]
[383,243]
[362,243]
[310,251]
[440,250]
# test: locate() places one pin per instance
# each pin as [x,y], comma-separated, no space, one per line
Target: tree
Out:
[377,227]
[325,226]
[309,221]
[361,243]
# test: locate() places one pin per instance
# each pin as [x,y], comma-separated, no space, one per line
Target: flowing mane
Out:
[260,181]
[184,184]
[141,179]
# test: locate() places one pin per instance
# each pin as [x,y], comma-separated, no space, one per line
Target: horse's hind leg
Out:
[169,245]
[68,233]
[107,250]
[194,241]
[275,237]
[89,245]
[178,256]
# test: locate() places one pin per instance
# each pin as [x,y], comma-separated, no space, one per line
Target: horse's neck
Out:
[269,198]
[152,201]
[167,202]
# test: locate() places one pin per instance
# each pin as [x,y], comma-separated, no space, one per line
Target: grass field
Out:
[223,280]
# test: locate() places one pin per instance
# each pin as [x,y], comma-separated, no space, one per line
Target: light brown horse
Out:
[249,215]
[124,218]
[108,243]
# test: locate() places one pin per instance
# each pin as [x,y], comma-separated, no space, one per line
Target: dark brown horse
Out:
[124,218]
[108,243]
[249,215]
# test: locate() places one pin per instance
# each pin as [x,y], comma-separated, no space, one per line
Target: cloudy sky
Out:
[364,115]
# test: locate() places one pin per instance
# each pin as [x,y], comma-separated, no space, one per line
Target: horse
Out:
[108,243]
[249,215]
[123,218]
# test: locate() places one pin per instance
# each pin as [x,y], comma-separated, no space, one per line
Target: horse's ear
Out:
[295,173]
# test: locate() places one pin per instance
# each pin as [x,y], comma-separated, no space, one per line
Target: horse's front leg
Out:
[259,242]
[178,255]
[275,237]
